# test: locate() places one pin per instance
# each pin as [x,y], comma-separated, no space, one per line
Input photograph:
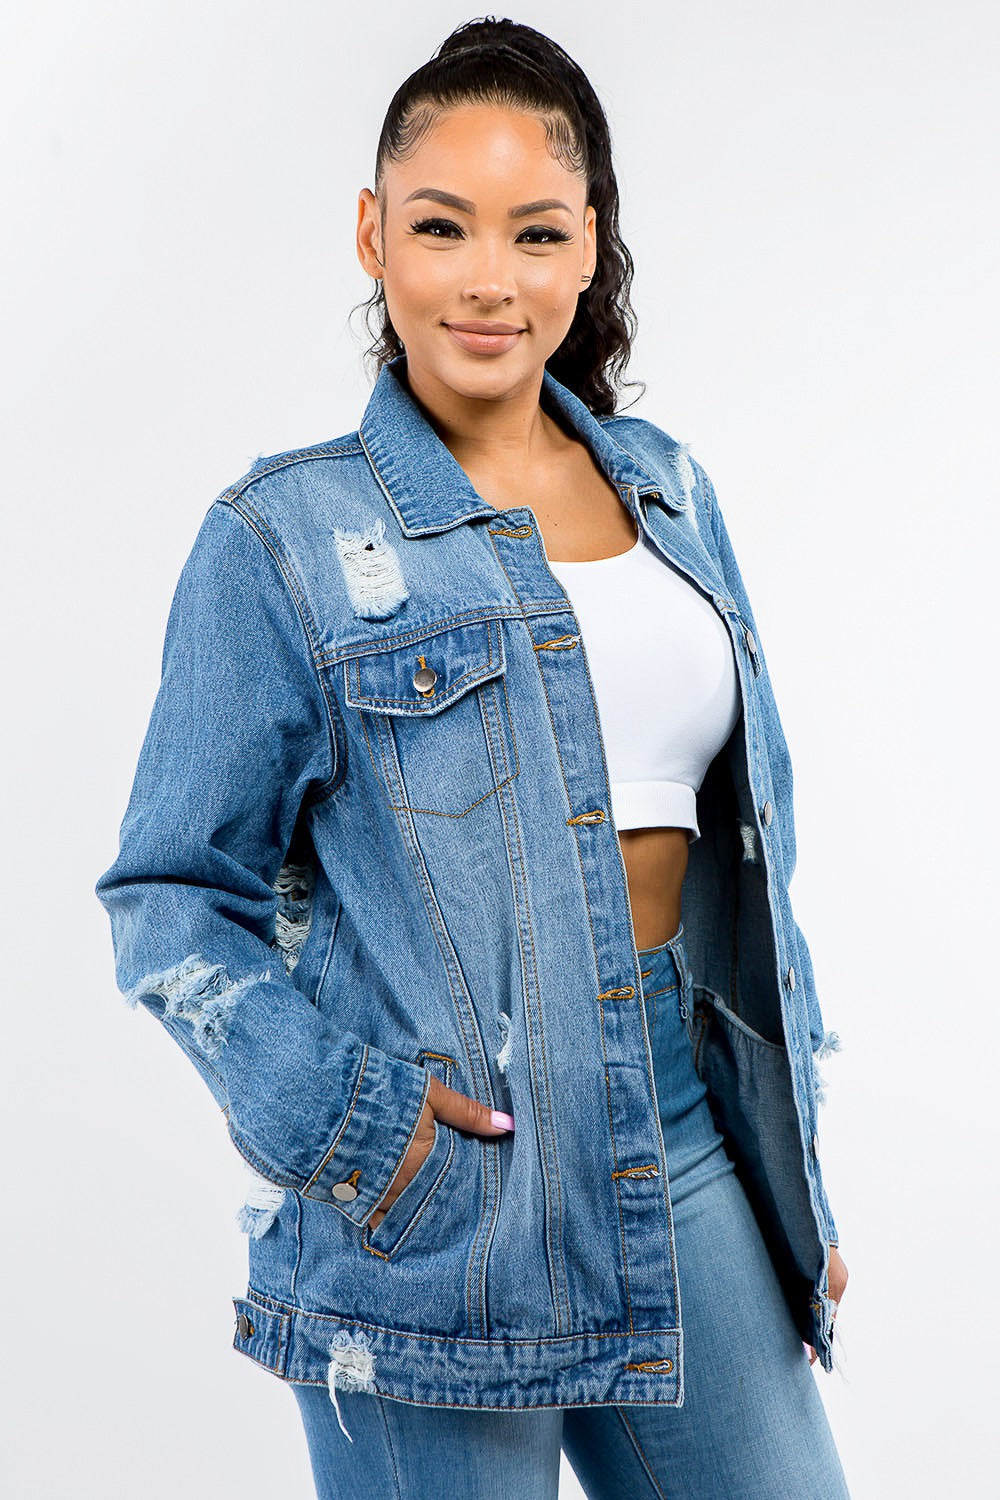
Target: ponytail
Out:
[504,63]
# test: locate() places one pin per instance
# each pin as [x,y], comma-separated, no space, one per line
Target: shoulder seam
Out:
[285,460]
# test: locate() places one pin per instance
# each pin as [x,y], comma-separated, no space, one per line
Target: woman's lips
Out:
[484,343]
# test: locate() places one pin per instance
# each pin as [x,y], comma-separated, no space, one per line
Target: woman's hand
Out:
[838,1281]
[453,1108]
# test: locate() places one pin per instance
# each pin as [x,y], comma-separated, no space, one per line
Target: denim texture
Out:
[369,841]
[752,1425]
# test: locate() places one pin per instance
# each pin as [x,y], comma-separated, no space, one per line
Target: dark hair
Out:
[502,62]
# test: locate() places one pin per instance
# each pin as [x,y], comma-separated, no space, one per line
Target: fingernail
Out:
[497,1117]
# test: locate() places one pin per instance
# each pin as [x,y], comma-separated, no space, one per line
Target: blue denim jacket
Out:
[369,840]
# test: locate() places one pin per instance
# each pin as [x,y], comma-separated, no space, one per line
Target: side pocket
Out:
[749,1087]
[410,1209]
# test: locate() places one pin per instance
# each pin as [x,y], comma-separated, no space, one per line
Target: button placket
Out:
[637,1159]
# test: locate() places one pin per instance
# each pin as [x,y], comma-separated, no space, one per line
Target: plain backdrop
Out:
[809,192]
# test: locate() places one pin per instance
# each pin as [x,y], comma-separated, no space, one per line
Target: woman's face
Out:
[483,227]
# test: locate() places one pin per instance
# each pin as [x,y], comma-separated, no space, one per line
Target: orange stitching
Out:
[340,1135]
[557,643]
[669,989]
[376,700]
[366,647]
[274,1304]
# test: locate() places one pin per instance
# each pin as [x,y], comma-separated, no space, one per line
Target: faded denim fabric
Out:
[752,1425]
[369,840]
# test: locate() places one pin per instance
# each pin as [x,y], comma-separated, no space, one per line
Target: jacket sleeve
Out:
[239,737]
[823,1041]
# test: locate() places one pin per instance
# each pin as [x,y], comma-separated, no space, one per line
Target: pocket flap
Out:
[449,662]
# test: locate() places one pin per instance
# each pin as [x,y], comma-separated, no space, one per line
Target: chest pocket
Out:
[436,717]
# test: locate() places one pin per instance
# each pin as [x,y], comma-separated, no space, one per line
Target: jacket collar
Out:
[430,491]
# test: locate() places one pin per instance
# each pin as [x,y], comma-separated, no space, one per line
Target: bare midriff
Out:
[655,865]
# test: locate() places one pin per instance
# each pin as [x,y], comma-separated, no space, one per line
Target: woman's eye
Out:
[444,228]
[425,226]
[553,234]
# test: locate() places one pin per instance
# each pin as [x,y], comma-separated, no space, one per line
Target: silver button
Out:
[791,977]
[751,643]
[767,812]
[345,1192]
[424,679]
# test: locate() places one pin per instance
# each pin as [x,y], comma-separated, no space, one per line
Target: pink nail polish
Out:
[497,1117]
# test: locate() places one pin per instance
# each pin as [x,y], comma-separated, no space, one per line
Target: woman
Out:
[533,1163]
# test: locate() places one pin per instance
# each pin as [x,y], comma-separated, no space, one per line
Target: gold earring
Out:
[587,278]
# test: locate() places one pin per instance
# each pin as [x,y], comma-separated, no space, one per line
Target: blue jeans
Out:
[752,1425]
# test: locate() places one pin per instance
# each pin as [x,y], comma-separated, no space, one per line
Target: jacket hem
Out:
[642,1368]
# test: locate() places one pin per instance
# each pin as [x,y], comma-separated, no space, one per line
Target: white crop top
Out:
[664,677]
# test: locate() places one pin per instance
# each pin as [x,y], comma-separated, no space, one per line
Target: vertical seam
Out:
[620,1411]
[392,1451]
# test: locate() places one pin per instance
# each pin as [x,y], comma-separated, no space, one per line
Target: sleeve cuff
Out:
[382,1119]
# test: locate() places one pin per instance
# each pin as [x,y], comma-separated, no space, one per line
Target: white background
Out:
[809,192]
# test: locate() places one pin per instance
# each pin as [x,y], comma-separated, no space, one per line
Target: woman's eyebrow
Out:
[520,211]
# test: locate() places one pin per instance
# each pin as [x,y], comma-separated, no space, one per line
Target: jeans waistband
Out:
[675,944]
[665,965]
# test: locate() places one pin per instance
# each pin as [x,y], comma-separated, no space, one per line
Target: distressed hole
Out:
[372,572]
[748,833]
[503,1056]
[199,992]
[260,1205]
[352,1368]
[294,887]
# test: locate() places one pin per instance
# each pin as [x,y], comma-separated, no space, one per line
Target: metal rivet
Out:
[767,812]
[791,977]
[424,679]
[344,1192]
[245,1326]
[751,643]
